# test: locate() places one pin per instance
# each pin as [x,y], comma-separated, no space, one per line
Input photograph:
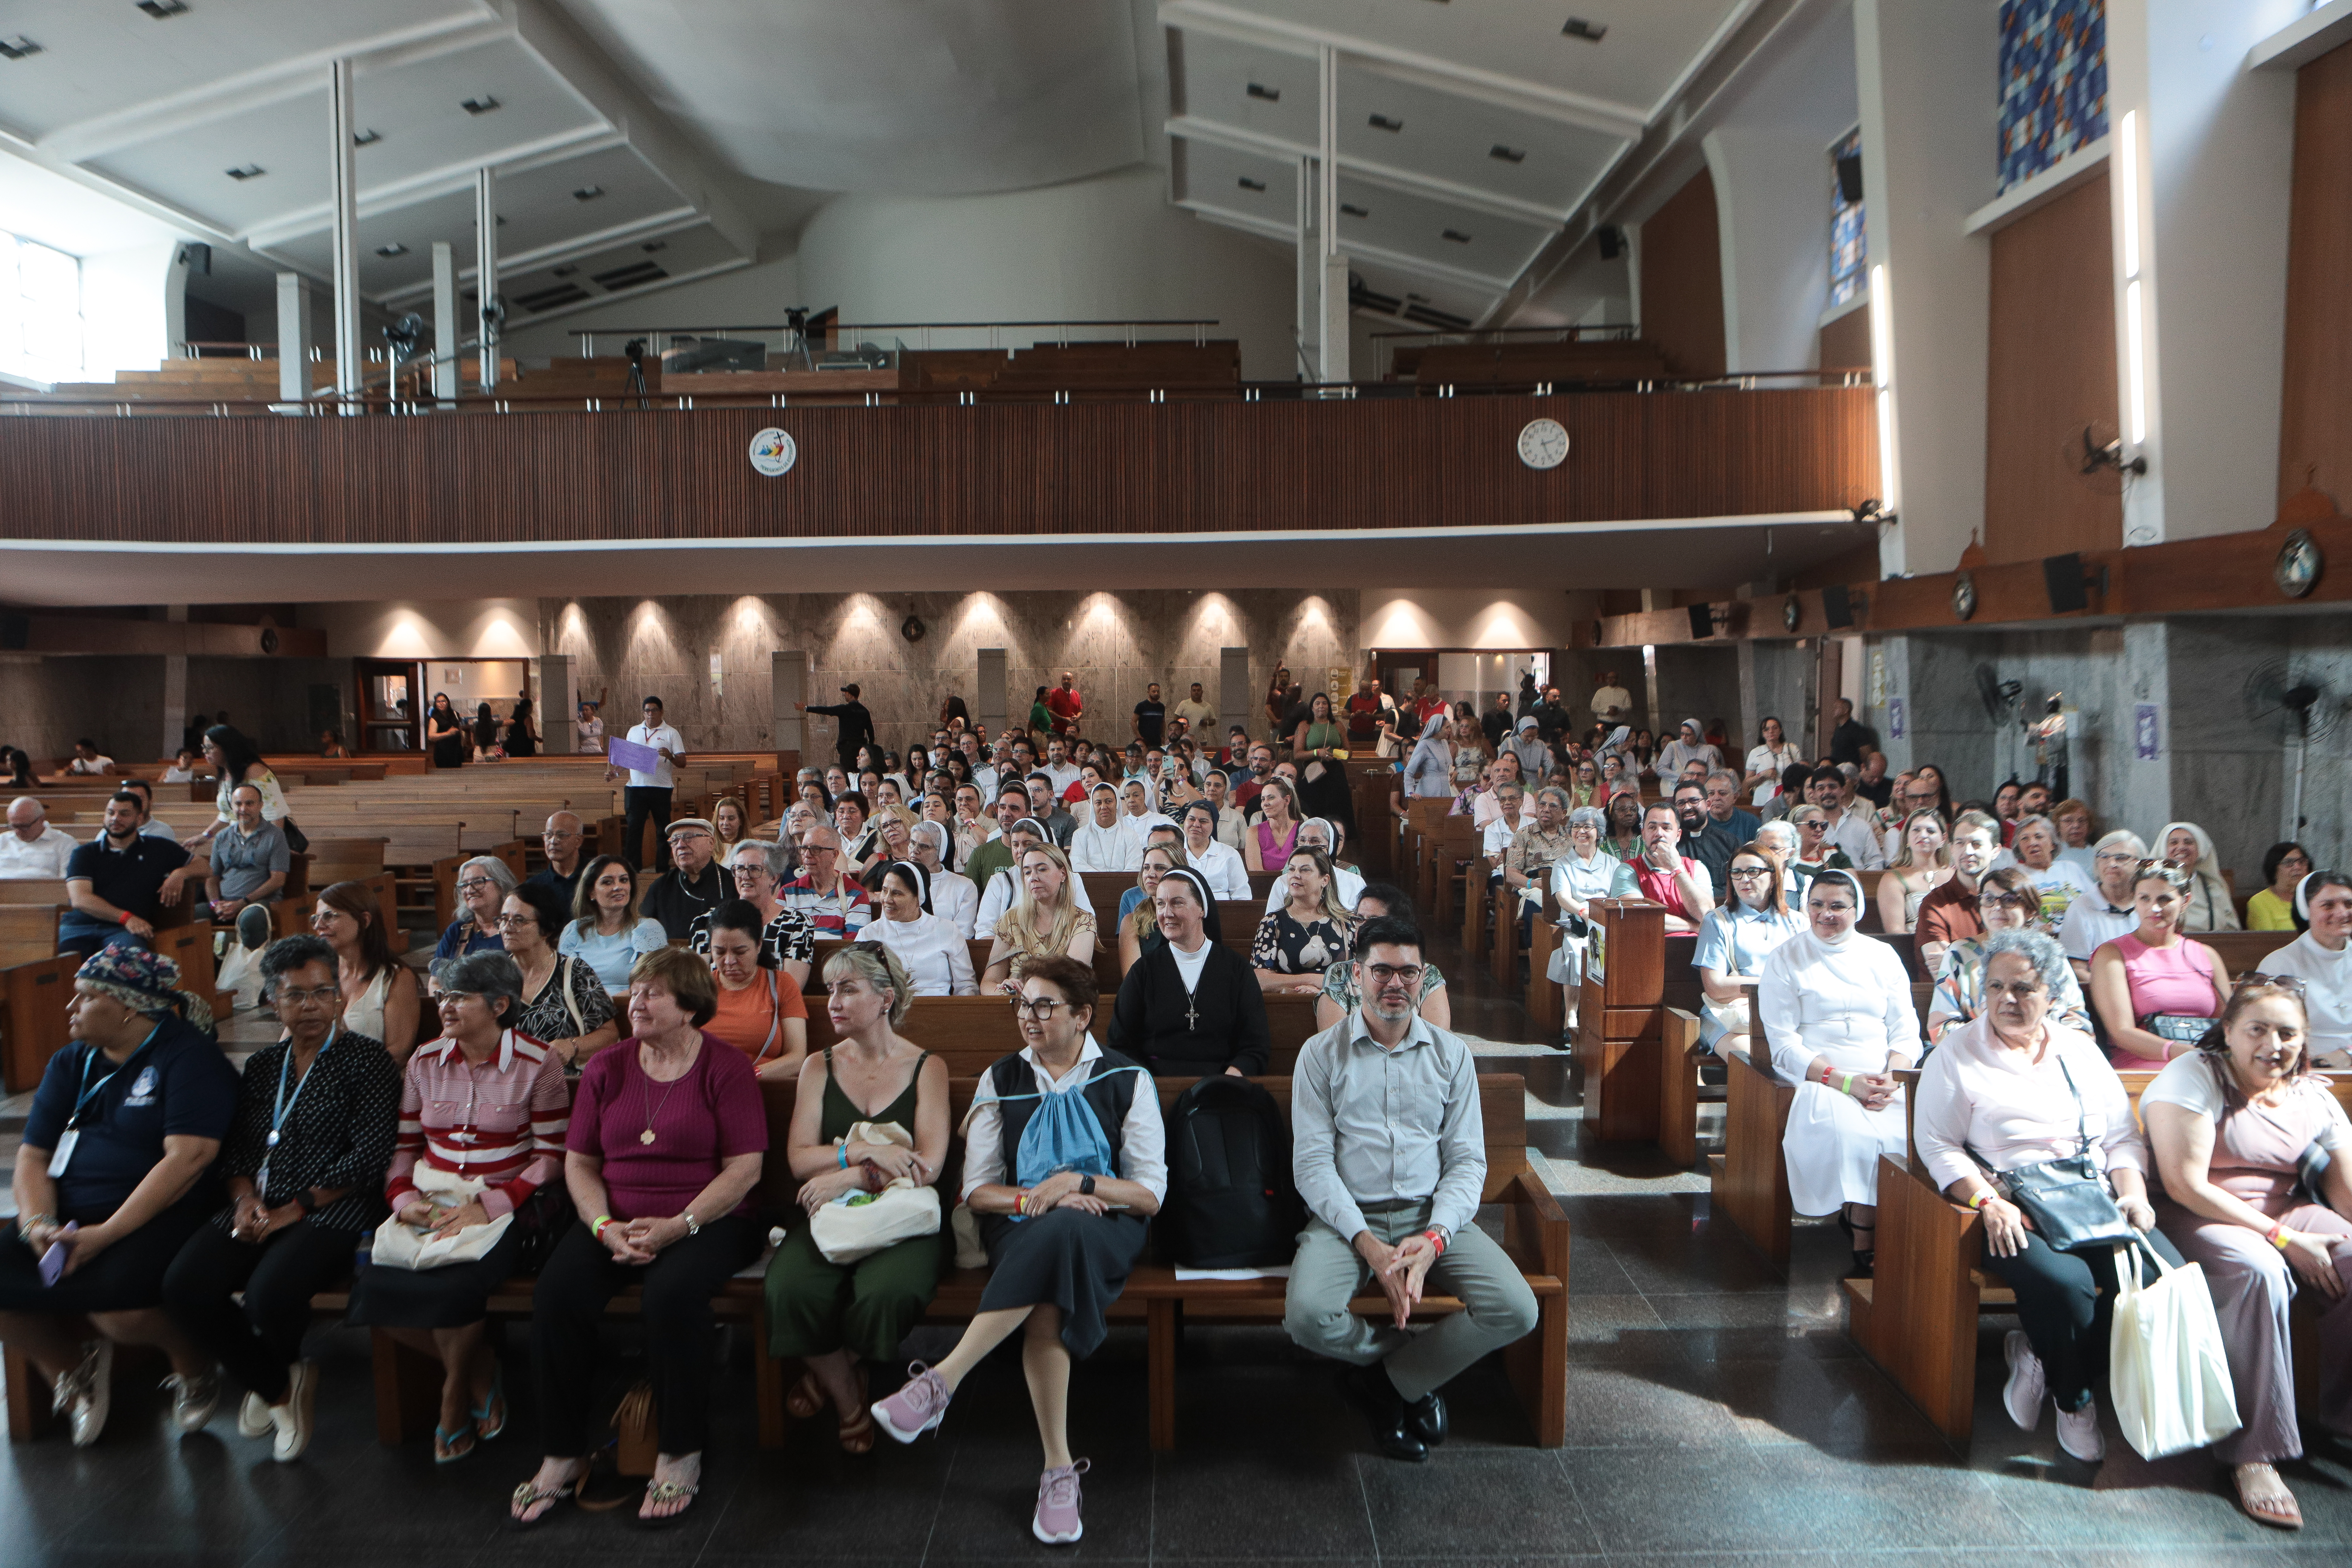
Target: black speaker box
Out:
[1701,621]
[1837,610]
[2062,579]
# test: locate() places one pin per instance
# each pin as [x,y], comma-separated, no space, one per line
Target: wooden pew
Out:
[1918,1316]
[1535,1235]
[1620,1020]
[973,1032]
[1748,1183]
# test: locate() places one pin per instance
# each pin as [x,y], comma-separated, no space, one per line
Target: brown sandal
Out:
[806,1398]
[2277,1510]
[856,1436]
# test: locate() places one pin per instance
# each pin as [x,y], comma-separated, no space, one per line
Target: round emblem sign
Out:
[773,453]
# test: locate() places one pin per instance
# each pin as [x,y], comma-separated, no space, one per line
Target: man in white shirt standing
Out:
[649,789]
[1200,719]
[1393,1194]
[32,846]
[1610,701]
[591,731]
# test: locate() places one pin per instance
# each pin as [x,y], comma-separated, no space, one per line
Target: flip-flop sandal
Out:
[857,1436]
[663,1492]
[806,1398]
[483,1427]
[2280,1512]
[527,1496]
[446,1449]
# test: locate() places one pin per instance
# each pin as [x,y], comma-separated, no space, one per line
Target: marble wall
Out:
[116,699]
[1114,642]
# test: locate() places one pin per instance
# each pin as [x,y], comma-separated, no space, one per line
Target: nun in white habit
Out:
[1837,1013]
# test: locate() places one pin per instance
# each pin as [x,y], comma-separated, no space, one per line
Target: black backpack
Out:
[1231,1204]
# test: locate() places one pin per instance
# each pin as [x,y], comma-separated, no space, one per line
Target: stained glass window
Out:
[1849,245]
[2054,82]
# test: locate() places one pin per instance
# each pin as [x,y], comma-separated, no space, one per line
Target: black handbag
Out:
[2068,1201]
[2177,1028]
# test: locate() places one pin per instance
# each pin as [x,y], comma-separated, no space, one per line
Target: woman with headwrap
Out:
[1428,774]
[1685,749]
[937,957]
[954,898]
[2322,959]
[1836,1008]
[2190,847]
[114,1174]
[1190,1007]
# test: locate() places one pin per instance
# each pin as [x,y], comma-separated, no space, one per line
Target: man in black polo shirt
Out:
[563,840]
[118,883]
[694,885]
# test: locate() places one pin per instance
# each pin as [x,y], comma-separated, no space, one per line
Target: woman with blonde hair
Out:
[1924,864]
[1142,922]
[2190,847]
[1307,934]
[729,822]
[1045,919]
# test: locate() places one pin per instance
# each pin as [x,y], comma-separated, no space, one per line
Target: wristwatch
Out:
[1445,1233]
[310,1202]
[1086,1185]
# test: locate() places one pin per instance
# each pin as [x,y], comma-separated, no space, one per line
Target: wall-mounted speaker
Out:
[1701,621]
[1837,609]
[1849,178]
[1613,241]
[2062,579]
[15,632]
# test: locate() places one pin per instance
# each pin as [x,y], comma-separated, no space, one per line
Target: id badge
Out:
[62,1155]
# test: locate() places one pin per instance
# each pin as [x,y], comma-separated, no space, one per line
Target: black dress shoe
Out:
[1425,1418]
[1368,1389]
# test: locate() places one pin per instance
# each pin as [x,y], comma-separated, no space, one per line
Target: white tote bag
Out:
[859,1224]
[399,1245]
[2165,1367]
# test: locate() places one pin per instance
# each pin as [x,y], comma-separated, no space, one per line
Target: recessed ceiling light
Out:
[17,47]
[1382,122]
[1507,154]
[1591,32]
[246,172]
[1457,237]
[1352,210]
[587,193]
[366,138]
[1271,94]
[1249,185]
[394,249]
[159,9]
[481,105]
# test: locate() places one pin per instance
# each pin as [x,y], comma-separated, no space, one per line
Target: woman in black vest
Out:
[1190,1007]
[1065,1160]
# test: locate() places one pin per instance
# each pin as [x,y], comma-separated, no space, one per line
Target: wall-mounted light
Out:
[2134,333]
[1882,372]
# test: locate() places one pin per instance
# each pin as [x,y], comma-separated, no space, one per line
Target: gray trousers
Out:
[2251,1283]
[1329,1273]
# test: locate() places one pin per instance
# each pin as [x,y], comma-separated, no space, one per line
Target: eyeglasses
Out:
[472,883]
[515,922]
[2123,857]
[1385,974]
[1040,1009]
[2283,982]
[557,837]
[2004,901]
[1753,874]
[323,995]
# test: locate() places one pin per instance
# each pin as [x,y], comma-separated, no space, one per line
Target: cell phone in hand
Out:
[53,1261]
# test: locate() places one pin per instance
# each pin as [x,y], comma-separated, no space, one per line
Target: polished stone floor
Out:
[1716,1414]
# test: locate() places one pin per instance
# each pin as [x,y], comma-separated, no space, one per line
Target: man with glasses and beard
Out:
[1393,1194]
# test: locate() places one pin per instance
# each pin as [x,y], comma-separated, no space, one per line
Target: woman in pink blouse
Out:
[482,1117]
[666,1145]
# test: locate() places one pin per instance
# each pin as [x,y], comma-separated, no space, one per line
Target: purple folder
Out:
[631,755]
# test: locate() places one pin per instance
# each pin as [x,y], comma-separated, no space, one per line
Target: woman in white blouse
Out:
[1219,864]
[953,897]
[936,956]
[2322,960]
[1736,939]
[1836,1009]
[1585,873]
[2016,1089]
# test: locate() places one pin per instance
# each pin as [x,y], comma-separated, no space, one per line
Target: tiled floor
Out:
[1716,1415]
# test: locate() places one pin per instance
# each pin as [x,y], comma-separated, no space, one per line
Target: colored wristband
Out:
[1436,1241]
[596,1229]
[844,1150]
[2277,1237]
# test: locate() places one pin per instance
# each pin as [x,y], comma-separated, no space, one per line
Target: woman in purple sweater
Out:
[665,1147]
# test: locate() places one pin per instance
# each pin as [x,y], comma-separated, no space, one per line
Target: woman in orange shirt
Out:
[761,1011]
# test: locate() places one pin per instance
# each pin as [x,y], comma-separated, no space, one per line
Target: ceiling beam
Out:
[448,180]
[1471,197]
[86,139]
[1249,222]
[1623,121]
[650,228]
[733,264]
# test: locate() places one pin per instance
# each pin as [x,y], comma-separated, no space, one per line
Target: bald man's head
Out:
[26,818]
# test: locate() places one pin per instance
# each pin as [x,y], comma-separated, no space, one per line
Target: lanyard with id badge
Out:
[284,1106]
[62,1155]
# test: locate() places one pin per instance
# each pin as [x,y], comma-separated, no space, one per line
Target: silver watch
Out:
[693,1227]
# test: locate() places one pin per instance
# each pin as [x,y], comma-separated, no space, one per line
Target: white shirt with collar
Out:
[1094,847]
[1851,832]
[2090,920]
[1374,1125]
[1499,833]
[955,901]
[1064,777]
[1349,884]
[1223,868]
[657,737]
[1142,1137]
[45,856]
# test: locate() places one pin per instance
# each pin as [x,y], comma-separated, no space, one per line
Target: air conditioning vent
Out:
[1352,210]
[1384,122]
[632,275]
[1249,185]
[539,299]
[1507,154]
[1591,32]
[1457,237]
[1271,94]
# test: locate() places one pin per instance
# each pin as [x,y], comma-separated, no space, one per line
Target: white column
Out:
[1237,693]
[558,700]
[448,331]
[2201,224]
[1928,80]
[293,337]
[1772,223]
[343,174]
[2144,727]
[988,694]
[1309,256]
[486,273]
[787,687]
[1332,345]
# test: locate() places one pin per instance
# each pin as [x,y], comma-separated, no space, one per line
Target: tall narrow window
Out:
[40,310]
[2054,82]
[1848,247]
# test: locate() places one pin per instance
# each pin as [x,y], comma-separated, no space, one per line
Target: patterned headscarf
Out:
[146,982]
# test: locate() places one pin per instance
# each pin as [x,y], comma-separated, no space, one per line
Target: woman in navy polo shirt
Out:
[114,1172]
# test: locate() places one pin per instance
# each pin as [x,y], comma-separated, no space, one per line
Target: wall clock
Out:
[1543,444]
[1964,595]
[2299,563]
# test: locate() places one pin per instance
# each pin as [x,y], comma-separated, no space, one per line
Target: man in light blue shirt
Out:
[1390,1154]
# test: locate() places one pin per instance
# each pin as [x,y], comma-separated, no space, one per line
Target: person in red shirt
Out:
[1426,703]
[1364,716]
[1949,913]
[1665,875]
[1065,705]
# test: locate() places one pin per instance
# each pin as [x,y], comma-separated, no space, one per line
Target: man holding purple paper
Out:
[648,755]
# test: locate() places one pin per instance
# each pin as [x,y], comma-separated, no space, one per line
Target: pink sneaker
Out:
[918,1407]
[1059,1505]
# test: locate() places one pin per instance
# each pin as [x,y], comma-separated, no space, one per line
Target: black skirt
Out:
[446,1297]
[1076,1261]
[125,1277]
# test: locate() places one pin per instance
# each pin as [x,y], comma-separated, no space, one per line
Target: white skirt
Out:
[1833,1147]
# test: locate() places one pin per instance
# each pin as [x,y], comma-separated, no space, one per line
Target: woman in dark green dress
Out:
[837,1317]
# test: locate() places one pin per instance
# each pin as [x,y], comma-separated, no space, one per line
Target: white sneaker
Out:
[2078,1433]
[93,1393]
[293,1419]
[2028,1384]
[194,1399]
[253,1416]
